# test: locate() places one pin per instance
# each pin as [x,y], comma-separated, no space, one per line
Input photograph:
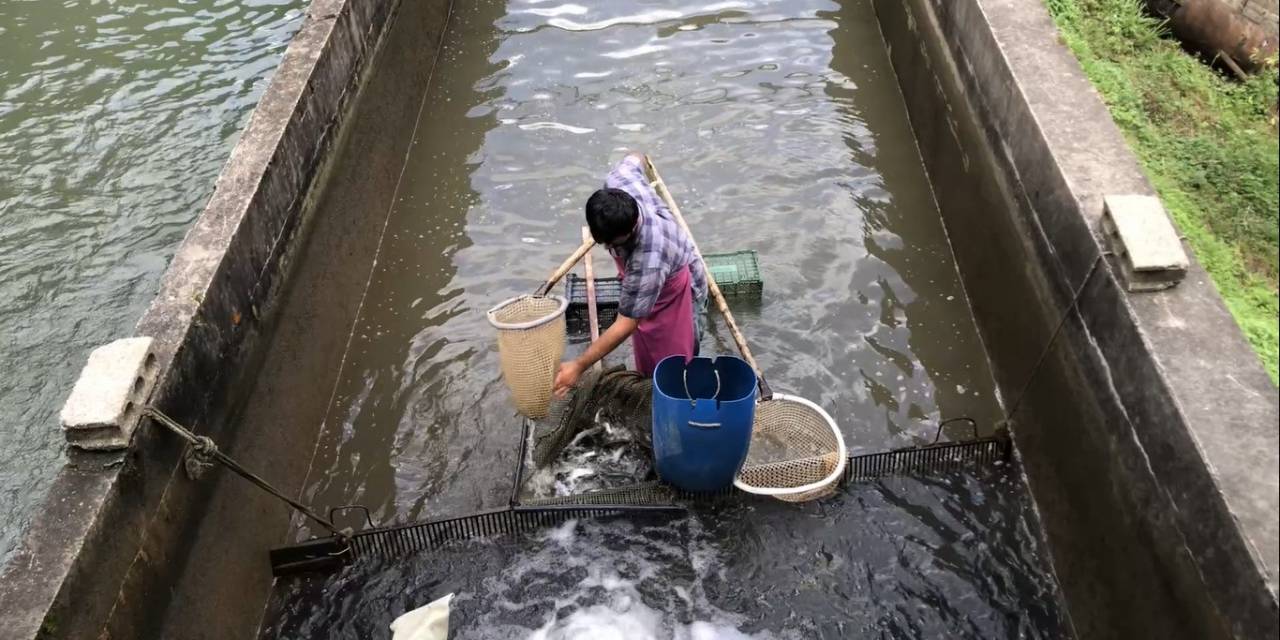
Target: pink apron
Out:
[669,328]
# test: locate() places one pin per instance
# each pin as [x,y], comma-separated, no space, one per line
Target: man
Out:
[664,287]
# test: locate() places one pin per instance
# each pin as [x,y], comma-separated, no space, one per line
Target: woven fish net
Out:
[614,395]
[797,453]
[531,337]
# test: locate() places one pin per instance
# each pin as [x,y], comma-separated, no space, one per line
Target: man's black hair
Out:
[611,214]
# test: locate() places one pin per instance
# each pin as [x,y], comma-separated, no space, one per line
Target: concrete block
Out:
[1139,233]
[106,403]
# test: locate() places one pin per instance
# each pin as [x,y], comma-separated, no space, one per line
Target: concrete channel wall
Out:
[1149,434]
[108,550]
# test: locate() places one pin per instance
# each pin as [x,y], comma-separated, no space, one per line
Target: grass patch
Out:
[1208,144]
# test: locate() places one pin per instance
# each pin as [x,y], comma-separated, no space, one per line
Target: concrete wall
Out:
[1149,433]
[277,431]
[117,532]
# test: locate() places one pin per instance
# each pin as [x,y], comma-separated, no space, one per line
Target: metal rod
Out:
[205,446]
[518,481]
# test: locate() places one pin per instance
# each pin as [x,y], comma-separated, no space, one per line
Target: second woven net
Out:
[796,453]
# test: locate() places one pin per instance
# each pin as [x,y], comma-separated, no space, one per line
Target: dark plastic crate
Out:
[608,290]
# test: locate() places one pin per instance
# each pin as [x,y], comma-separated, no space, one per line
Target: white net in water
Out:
[531,337]
[797,453]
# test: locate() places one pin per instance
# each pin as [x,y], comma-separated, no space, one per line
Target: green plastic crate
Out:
[737,273]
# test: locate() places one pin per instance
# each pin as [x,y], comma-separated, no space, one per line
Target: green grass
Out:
[1208,144]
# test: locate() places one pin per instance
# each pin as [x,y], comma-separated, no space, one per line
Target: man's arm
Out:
[570,371]
[629,175]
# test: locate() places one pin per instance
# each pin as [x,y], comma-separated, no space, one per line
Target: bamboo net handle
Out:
[593,317]
[565,267]
[665,194]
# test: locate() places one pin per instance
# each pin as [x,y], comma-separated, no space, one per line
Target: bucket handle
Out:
[684,375]
[705,425]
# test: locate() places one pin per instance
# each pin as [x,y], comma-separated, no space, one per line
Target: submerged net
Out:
[614,395]
[531,337]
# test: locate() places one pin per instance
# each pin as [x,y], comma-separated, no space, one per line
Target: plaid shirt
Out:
[658,249]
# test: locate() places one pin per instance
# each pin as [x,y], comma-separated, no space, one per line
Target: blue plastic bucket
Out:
[702,415]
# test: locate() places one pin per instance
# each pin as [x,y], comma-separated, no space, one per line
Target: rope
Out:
[1066,313]
[204,452]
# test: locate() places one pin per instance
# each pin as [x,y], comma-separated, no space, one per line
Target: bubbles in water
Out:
[598,581]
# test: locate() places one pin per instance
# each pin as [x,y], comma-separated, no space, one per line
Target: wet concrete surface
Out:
[102,558]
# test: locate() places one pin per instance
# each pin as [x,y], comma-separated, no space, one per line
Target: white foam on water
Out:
[610,580]
[626,617]
[606,581]
[563,534]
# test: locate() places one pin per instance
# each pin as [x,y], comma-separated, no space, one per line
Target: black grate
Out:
[330,553]
[631,501]
[928,460]
[426,536]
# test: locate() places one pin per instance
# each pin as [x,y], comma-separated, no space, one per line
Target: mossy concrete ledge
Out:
[98,559]
[1149,432]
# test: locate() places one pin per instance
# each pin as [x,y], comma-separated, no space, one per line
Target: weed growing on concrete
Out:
[1208,143]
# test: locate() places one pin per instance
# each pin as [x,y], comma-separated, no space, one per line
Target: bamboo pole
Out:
[741,342]
[565,266]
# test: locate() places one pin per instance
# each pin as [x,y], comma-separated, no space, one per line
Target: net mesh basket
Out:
[797,453]
[531,336]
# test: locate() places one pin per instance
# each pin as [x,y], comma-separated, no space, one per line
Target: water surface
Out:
[115,118]
[781,129]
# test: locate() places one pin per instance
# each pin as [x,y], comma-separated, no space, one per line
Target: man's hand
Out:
[566,377]
[570,370]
